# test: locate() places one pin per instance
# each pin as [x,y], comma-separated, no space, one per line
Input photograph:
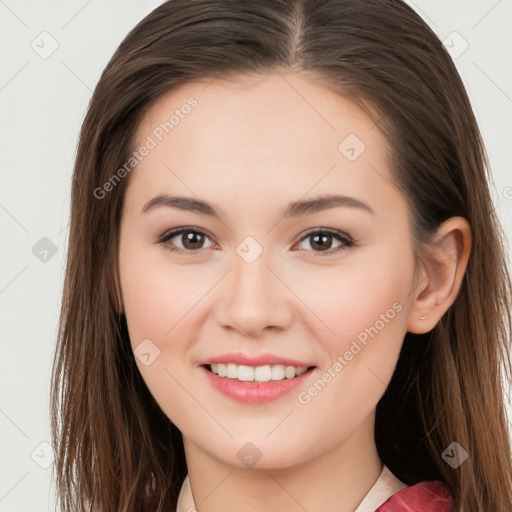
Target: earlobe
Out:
[442,274]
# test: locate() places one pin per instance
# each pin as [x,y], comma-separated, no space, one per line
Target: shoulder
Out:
[423,497]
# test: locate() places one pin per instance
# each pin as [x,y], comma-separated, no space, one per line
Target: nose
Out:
[254,298]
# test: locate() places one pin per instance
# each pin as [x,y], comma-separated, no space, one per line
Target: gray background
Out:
[43,98]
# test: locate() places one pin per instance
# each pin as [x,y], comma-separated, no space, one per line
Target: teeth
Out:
[258,374]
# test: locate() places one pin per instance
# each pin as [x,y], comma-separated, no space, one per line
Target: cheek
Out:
[156,294]
[360,294]
[363,307]
[157,297]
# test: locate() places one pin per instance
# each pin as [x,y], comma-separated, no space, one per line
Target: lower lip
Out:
[255,392]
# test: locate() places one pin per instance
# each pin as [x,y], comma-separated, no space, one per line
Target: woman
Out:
[335,339]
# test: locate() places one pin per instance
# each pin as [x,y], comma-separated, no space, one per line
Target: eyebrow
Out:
[294,209]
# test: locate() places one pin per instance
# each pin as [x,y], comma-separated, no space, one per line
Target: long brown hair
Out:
[115,448]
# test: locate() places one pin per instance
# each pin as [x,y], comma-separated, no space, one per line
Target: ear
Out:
[441,275]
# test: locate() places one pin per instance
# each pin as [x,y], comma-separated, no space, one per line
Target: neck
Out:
[337,479]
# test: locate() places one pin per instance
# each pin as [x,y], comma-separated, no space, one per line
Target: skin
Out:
[250,147]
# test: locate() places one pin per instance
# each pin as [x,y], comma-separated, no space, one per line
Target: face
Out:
[274,278]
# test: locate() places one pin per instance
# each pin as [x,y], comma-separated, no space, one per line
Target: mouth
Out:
[256,384]
[257,374]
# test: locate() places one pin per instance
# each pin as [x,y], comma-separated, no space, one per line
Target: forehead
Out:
[273,108]
[259,135]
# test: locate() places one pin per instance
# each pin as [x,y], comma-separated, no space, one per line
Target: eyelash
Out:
[347,241]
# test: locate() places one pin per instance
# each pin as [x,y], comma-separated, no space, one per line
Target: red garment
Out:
[423,497]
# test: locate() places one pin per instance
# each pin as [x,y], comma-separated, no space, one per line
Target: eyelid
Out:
[346,239]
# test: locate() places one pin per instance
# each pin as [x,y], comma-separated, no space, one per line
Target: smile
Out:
[252,385]
[265,373]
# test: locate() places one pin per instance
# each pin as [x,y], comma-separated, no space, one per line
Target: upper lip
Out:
[264,359]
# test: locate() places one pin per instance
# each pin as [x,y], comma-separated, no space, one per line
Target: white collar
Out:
[384,487]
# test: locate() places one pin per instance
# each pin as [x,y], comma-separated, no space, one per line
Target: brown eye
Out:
[192,240]
[186,240]
[321,241]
